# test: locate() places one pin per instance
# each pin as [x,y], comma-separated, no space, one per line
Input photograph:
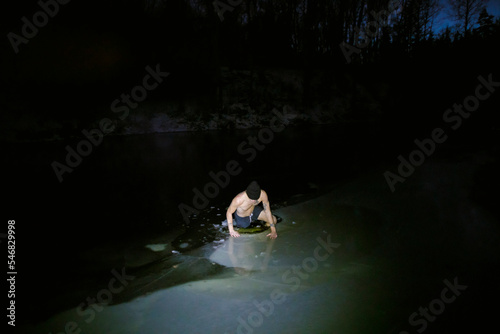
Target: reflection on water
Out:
[250,256]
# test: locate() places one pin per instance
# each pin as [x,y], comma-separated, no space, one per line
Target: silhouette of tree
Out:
[465,13]
[415,22]
[486,25]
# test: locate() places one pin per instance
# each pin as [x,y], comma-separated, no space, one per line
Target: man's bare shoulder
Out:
[263,196]
[238,199]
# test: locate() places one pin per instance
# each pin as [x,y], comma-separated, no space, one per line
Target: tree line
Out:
[309,32]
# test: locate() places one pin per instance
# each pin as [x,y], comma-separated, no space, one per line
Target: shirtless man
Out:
[244,209]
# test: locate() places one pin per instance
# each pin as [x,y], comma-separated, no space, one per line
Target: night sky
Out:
[442,21]
[96,42]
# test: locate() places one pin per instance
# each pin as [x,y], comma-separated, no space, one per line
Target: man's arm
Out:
[269,216]
[229,216]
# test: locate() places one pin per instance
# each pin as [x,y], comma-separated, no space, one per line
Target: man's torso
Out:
[246,207]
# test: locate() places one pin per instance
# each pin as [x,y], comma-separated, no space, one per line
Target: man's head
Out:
[253,190]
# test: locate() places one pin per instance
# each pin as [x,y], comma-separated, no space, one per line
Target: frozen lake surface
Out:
[357,259]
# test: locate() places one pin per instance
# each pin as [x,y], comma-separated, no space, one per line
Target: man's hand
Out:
[272,235]
[234,233]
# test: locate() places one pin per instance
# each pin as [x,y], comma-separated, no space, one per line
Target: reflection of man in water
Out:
[244,209]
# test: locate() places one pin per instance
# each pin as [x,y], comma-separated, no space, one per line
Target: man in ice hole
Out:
[244,210]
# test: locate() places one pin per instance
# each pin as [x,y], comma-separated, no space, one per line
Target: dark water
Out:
[129,188]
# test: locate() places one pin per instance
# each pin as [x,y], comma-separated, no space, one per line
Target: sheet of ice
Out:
[156,247]
[352,262]
[277,284]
